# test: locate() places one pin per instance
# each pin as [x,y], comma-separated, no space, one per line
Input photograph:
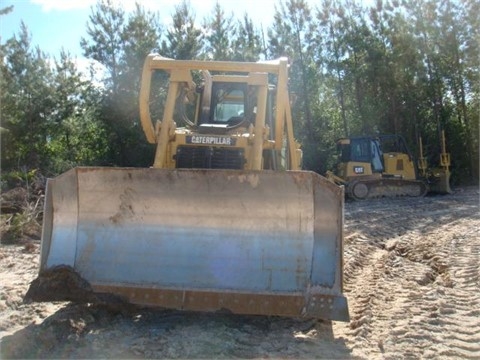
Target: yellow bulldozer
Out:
[225,220]
[383,166]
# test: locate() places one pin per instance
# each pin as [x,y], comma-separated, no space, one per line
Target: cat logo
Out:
[358,170]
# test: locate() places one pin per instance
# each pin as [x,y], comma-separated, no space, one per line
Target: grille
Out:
[205,157]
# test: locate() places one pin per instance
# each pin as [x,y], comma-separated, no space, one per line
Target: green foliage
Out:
[219,35]
[120,43]
[247,41]
[408,67]
[21,199]
[26,102]
[15,227]
[17,177]
[48,111]
[184,40]
[404,68]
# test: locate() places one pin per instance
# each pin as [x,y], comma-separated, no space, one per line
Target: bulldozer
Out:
[383,166]
[224,220]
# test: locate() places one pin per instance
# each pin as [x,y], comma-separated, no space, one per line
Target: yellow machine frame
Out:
[256,139]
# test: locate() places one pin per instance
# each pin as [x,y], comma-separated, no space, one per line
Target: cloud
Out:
[260,12]
[127,5]
[62,5]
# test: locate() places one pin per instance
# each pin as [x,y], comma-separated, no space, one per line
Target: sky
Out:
[57,24]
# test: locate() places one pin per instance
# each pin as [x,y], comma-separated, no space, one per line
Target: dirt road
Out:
[412,279]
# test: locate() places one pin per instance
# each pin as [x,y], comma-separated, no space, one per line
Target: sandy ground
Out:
[412,279]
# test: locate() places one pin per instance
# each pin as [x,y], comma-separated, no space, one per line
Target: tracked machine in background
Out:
[225,220]
[383,166]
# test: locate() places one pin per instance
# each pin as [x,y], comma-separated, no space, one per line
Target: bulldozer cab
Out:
[360,156]
[383,154]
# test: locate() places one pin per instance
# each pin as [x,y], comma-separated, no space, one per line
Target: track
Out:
[412,279]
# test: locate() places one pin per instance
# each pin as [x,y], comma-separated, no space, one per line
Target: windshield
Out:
[228,103]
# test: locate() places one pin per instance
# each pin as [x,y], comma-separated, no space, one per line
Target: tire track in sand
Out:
[412,279]
[461,308]
[437,312]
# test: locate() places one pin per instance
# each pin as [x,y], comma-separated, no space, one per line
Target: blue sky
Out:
[57,24]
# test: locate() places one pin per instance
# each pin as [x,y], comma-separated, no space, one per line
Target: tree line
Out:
[408,67]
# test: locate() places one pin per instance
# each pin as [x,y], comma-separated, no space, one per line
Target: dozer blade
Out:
[248,242]
[440,181]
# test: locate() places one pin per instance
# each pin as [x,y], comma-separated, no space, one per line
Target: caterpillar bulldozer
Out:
[224,220]
[383,166]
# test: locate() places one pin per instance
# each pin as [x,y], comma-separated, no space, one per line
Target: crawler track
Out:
[389,188]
